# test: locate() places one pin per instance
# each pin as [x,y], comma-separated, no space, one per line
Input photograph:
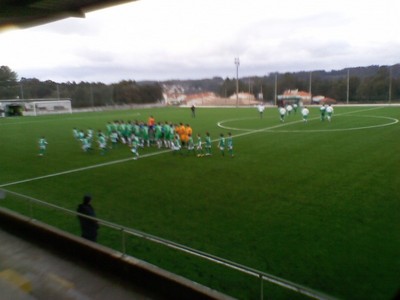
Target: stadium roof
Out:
[28,13]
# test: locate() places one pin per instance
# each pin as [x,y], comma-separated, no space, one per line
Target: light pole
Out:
[348,86]
[309,88]
[276,89]
[237,63]
[390,84]
[21,89]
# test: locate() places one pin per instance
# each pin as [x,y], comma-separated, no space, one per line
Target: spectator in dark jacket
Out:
[89,227]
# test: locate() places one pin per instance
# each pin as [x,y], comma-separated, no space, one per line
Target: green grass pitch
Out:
[315,203]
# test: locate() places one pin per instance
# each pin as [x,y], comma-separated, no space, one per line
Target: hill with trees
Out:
[359,84]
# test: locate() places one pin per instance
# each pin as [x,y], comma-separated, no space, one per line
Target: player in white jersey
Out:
[329,112]
[282,113]
[305,112]
[289,109]
[261,108]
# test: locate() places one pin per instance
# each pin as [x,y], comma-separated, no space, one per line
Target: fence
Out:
[124,231]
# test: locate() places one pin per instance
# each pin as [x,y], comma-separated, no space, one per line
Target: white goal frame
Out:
[47,107]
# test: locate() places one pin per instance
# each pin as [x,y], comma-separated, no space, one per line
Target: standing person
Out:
[114,139]
[75,133]
[176,145]
[188,132]
[282,113]
[289,109]
[295,108]
[221,144]
[102,141]
[329,112]
[193,109]
[158,134]
[229,144]
[86,144]
[135,146]
[190,145]
[182,134]
[322,110]
[261,108]
[199,146]
[305,112]
[89,227]
[151,122]
[42,146]
[208,144]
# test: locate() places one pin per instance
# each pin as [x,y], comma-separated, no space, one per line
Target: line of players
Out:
[162,135]
[326,112]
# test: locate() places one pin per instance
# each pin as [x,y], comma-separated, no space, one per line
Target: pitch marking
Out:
[249,131]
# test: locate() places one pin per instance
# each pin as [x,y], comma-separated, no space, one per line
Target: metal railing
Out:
[262,276]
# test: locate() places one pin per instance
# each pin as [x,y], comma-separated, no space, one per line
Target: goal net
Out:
[47,107]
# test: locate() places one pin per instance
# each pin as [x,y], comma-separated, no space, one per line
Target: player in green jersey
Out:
[42,146]
[199,146]
[158,134]
[102,141]
[229,144]
[208,144]
[86,144]
[114,139]
[135,146]
[322,111]
[221,144]
[190,145]
[176,144]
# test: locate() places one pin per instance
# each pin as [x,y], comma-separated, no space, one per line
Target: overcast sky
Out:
[194,39]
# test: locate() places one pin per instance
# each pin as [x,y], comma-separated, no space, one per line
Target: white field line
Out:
[55,119]
[251,131]
[83,168]
[153,153]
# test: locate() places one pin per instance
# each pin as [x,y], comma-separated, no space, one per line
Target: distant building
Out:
[243,96]
[323,100]
[294,97]
[199,99]
[173,95]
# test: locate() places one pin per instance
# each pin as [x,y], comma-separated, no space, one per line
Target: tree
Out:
[9,88]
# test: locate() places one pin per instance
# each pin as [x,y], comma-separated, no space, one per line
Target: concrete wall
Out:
[102,259]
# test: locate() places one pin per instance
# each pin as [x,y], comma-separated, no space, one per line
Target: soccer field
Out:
[315,203]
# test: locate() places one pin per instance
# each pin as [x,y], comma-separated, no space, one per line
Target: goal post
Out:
[47,107]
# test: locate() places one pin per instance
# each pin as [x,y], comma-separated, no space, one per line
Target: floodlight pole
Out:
[22,90]
[237,63]
[348,86]
[91,97]
[58,92]
[390,84]
[310,90]
[276,89]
